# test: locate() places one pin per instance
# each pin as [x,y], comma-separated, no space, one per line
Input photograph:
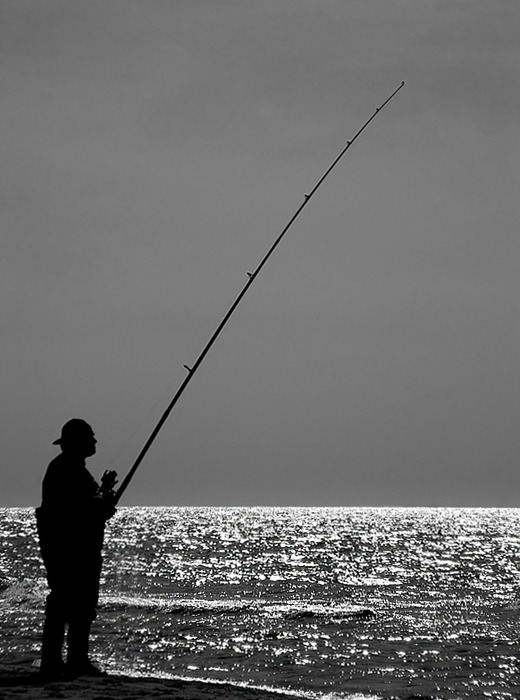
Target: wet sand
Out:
[19,681]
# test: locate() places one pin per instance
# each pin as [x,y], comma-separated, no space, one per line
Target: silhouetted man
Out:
[71,522]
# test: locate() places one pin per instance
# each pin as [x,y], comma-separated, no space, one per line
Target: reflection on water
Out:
[320,600]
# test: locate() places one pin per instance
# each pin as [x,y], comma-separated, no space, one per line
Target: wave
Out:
[303,694]
[14,592]
[292,610]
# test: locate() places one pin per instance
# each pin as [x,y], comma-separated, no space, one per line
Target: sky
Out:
[152,151]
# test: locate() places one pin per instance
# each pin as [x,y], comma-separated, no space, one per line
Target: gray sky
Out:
[150,154]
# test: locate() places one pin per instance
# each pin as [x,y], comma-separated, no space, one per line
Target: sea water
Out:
[323,602]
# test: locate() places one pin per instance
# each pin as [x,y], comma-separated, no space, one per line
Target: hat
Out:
[73,429]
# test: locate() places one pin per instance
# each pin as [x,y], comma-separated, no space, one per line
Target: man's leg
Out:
[78,643]
[82,615]
[53,636]
[78,661]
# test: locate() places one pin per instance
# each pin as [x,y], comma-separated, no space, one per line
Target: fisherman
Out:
[71,522]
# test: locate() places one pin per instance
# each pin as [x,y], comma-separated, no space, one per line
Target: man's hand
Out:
[108,480]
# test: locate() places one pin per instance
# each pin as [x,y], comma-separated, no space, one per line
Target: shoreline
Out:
[19,681]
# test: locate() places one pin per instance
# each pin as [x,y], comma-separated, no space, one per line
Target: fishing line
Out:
[191,369]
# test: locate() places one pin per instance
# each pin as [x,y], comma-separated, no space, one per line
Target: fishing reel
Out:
[108,480]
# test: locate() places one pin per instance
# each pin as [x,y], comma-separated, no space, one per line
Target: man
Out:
[71,522]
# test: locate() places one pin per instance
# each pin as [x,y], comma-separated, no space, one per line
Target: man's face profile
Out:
[83,444]
[77,438]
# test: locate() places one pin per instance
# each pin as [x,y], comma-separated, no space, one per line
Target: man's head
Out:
[77,437]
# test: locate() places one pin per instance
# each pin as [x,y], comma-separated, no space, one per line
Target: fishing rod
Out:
[251,277]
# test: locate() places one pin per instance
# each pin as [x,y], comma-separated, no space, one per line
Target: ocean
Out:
[328,603]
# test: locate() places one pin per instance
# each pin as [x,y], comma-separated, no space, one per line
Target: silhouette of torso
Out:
[71,522]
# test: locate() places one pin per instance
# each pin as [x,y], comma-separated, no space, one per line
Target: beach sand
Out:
[19,681]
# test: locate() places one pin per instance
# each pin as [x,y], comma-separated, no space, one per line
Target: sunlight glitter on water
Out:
[314,600]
